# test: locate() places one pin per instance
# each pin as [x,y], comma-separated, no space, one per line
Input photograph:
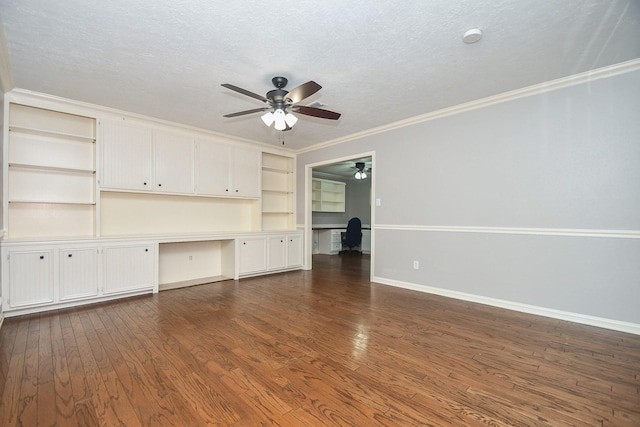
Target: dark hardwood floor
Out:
[321,347]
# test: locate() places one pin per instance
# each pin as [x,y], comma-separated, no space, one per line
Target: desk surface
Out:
[336,227]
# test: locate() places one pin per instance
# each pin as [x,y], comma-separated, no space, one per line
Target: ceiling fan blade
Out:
[303,91]
[244,92]
[317,112]
[242,113]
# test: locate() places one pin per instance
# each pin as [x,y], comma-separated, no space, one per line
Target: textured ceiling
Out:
[378,61]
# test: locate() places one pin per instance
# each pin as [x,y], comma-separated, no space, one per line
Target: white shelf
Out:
[51,168]
[48,202]
[45,132]
[276,170]
[264,190]
[328,196]
[277,192]
[51,173]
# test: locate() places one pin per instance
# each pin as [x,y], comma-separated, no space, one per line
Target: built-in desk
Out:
[57,273]
[327,239]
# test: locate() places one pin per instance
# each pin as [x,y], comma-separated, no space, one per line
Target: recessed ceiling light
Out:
[472,36]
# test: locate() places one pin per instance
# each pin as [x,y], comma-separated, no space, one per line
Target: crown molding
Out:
[576,79]
[44,100]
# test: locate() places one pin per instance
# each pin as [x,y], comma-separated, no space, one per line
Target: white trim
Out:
[308,214]
[616,325]
[567,232]
[586,77]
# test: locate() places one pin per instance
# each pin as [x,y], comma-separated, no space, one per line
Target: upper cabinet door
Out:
[246,172]
[127,152]
[174,162]
[214,168]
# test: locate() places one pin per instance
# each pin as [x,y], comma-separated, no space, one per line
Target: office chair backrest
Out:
[353,236]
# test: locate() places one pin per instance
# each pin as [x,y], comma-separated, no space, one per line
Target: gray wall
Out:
[536,180]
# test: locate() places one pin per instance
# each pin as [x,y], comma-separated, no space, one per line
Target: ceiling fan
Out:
[281,103]
[361,171]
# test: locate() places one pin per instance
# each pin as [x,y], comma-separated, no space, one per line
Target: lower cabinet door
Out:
[277,252]
[78,273]
[30,278]
[128,268]
[294,250]
[253,255]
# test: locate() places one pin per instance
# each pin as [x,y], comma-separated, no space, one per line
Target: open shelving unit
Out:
[277,192]
[50,173]
[328,196]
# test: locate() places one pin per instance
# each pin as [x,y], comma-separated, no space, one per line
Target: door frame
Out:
[308,193]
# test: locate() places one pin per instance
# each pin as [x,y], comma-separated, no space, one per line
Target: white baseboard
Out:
[599,322]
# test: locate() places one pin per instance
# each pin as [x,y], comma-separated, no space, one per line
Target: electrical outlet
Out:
[416,265]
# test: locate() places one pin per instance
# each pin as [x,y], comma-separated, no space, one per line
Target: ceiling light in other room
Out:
[472,36]
[360,173]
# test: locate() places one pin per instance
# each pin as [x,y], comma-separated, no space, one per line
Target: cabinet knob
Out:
[144,183]
[41,256]
[236,191]
[146,250]
[70,255]
[244,243]
[226,189]
[159,185]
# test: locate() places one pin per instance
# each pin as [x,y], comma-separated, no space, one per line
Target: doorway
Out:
[321,221]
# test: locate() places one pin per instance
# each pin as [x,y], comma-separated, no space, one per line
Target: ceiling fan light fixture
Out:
[360,173]
[279,119]
[290,119]
[268,118]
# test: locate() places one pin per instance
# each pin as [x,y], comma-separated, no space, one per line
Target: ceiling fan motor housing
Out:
[279,81]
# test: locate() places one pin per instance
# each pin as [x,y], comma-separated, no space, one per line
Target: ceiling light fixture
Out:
[360,173]
[279,118]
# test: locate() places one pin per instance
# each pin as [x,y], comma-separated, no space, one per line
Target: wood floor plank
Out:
[63,393]
[46,397]
[312,348]
[10,404]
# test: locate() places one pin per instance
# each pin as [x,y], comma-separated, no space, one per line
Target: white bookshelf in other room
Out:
[327,195]
[51,173]
[277,192]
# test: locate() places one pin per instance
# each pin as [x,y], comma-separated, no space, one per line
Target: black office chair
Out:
[352,238]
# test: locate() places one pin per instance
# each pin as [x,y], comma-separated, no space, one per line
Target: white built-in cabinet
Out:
[252,255]
[127,151]
[173,159]
[67,171]
[30,277]
[79,276]
[138,158]
[271,252]
[226,170]
[50,169]
[285,251]
[41,276]
[328,195]
[277,192]
[128,268]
